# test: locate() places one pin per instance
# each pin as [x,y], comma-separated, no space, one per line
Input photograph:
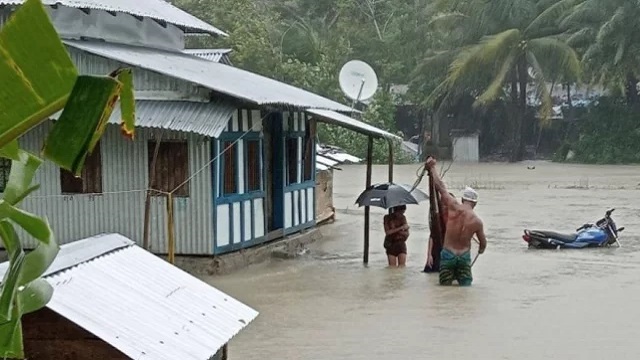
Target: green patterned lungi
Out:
[455,267]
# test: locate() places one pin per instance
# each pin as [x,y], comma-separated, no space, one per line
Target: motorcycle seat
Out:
[556,236]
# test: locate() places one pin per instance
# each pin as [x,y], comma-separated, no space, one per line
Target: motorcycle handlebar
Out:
[583,227]
[610,211]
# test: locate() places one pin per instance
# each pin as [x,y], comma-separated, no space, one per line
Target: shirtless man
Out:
[462,225]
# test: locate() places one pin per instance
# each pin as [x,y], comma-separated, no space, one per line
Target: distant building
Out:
[328,158]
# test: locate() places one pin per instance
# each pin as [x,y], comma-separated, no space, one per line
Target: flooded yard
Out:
[524,304]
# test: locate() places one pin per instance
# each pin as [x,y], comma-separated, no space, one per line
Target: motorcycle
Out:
[601,234]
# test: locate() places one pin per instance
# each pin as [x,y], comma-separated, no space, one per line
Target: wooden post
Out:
[147,201]
[225,352]
[365,258]
[390,142]
[170,230]
[390,160]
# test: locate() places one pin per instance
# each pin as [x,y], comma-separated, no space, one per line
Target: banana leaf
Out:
[22,290]
[38,80]
[36,71]
[82,121]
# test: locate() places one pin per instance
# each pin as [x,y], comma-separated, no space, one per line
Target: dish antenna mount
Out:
[358,81]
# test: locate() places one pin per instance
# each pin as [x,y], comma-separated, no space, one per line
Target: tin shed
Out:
[114,300]
[466,146]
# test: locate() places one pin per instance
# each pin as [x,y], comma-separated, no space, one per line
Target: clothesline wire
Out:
[205,166]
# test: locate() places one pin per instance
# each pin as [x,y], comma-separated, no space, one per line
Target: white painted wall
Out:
[229,227]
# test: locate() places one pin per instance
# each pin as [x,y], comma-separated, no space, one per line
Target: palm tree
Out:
[521,47]
[606,32]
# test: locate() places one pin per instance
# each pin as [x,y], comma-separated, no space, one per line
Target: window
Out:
[307,151]
[90,179]
[252,152]
[230,156]
[292,160]
[5,169]
[171,168]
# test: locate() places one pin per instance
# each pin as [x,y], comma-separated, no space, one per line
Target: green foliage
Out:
[446,50]
[609,134]
[305,43]
[35,88]
[380,113]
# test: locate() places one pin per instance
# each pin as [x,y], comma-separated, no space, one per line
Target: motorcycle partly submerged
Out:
[601,234]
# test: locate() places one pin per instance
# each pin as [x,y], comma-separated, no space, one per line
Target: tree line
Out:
[471,57]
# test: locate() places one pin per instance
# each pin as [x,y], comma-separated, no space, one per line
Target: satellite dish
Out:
[358,80]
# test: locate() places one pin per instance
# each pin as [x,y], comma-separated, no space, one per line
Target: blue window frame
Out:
[232,167]
[300,170]
[308,152]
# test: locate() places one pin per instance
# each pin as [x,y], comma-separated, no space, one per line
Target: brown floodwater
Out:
[524,304]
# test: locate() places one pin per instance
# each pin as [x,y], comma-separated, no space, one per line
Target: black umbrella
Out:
[388,195]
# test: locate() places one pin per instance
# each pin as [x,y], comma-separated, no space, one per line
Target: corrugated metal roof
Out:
[321,167]
[229,80]
[154,9]
[215,55]
[325,161]
[328,157]
[207,119]
[141,304]
[336,118]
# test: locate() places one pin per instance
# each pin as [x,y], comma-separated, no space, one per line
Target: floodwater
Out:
[524,304]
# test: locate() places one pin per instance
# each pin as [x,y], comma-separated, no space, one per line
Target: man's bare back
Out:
[462,222]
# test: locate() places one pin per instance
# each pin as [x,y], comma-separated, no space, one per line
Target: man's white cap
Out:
[470,195]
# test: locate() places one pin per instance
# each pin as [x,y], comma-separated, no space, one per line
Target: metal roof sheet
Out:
[328,157]
[207,119]
[215,55]
[140,304]
[154,9]
[321,167]
[229,80]
[343,157]
[325,161]
[336,118]
[336,153]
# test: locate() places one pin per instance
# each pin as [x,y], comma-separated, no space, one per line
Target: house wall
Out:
[324,194]
[299,196]
[466,149]
[239,215]
[242,217]
[120,207]
[148,85]
[115,27]
[48,336]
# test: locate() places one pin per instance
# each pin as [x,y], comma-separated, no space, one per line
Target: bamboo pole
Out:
[170,229]
[367,209]
[390,142]
[147,201]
